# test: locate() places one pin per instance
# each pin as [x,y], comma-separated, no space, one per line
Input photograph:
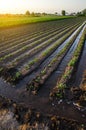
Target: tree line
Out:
[63,13]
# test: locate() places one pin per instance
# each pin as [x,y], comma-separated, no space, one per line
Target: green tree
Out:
[84,12]
[56,13]
[27,13]
[79,13]
[63,12]
[44,14]
[33,14]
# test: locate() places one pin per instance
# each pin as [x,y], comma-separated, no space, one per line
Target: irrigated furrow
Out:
[62,84]
[46,71]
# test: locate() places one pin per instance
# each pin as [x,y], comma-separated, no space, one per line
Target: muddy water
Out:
[40,103]
[81,68]
[52,81]
[46,62]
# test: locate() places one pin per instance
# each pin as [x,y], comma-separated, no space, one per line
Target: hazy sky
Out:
[49,6]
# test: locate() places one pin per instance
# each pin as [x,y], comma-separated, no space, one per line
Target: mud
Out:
[18,117]
[81,68]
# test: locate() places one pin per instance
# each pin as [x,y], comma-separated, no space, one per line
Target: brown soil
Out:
[17,117]
[83,83]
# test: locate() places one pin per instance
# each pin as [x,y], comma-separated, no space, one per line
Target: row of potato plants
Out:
[37,61]
[62,84]
[83,82]
[15,42]
[42,76]
[15,38]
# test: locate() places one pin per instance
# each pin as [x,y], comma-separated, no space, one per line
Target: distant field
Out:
[6,21]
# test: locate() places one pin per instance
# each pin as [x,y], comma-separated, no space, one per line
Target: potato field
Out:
[43,69]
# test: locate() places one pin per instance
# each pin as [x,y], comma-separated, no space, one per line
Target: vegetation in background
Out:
[27,13]
[63,12]
[82,13]
[13,20]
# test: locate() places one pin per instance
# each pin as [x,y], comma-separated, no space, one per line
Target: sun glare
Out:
[11,6]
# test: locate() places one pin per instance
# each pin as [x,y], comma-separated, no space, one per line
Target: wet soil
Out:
[38,111]
[77,83]
[19,117]
[81,68]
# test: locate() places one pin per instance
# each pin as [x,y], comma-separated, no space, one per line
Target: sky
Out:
[48,6]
